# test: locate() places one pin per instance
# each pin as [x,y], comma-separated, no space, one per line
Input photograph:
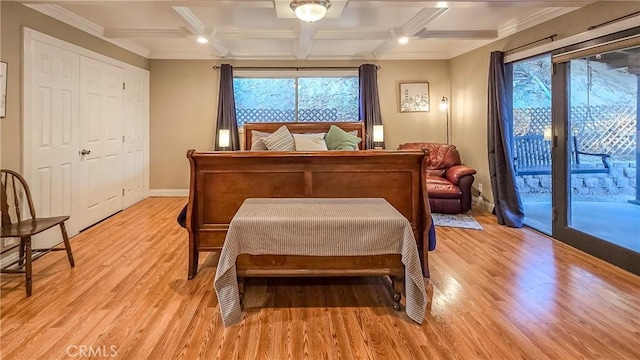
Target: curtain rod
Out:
[216,67]
[551,37]
[614,20]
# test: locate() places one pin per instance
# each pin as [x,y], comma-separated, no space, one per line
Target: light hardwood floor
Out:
[500,293]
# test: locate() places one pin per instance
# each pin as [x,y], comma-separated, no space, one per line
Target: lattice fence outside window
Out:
[599,129]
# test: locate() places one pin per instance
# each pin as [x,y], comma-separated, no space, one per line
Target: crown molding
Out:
[204,55]
[514,27]
[433,55]
[462,50]
[69,18]
[457,34]
[532,20]
[574,39]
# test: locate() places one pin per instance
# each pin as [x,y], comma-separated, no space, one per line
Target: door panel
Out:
[53,135]
[135,105]
[596,212]
[100,139]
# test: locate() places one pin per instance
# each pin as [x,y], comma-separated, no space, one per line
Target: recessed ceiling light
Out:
[202,40]
[442,4]
[403,40]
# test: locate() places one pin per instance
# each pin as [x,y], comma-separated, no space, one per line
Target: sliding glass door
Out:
[595,148]
[531,97]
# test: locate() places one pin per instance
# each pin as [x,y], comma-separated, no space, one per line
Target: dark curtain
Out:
[369,105]
[508,206]
[227,109]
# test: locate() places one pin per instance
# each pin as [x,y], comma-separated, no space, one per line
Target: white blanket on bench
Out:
[318,227]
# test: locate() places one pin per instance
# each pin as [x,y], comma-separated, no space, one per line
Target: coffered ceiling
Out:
[268,29]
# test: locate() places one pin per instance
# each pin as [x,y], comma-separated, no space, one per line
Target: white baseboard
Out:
[9,257]
[481,203]
[168,192]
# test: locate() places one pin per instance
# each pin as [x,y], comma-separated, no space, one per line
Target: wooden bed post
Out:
[193,238]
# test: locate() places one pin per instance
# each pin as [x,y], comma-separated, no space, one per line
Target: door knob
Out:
[85,152]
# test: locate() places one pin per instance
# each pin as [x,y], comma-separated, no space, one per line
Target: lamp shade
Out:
[310,10]
[223,138]
[378,133]
[547,134]
[444,104]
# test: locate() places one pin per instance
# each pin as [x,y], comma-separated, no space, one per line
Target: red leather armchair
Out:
[448,181]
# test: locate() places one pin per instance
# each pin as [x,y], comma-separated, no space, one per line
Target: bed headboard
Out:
[303,127]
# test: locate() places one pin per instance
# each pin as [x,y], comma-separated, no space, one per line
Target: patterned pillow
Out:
[280,140]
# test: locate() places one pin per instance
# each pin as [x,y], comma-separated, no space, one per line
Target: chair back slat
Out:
[4,203]
[15,185]
[16,199]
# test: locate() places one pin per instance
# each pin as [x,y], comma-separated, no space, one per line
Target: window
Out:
[296,98]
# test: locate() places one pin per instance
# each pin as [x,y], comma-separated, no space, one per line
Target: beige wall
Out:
[469,73]
[184,96]
[13,17]
[184,93]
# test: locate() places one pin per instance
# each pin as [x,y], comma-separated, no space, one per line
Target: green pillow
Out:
[338,139]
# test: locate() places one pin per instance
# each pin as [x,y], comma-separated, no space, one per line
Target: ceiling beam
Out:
[193,23]
[197,28]
[302,47]
[143,33]
[422,19]
[256,34]
[352,35]
[219,49]
[457,34]
[415,24]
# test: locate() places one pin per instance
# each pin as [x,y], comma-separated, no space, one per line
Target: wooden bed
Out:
[221,181]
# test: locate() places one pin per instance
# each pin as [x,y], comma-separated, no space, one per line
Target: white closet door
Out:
[135,120]
[101,140]
[53,135]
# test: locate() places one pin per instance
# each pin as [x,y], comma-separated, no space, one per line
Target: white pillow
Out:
[256,140]
[280,140]
[310,142]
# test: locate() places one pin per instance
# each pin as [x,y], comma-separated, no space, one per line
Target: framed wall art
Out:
[3,89]
[414,97]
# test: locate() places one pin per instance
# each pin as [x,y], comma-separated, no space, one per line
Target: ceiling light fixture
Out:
[310,10]
[202,40]
[403,40]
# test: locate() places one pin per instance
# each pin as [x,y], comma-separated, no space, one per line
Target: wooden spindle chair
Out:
[15,186]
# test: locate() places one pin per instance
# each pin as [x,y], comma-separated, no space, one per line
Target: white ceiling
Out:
[267,29]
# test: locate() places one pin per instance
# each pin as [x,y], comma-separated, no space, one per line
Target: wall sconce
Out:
[224,136]
[444,106]
[547,133]
[378,136]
